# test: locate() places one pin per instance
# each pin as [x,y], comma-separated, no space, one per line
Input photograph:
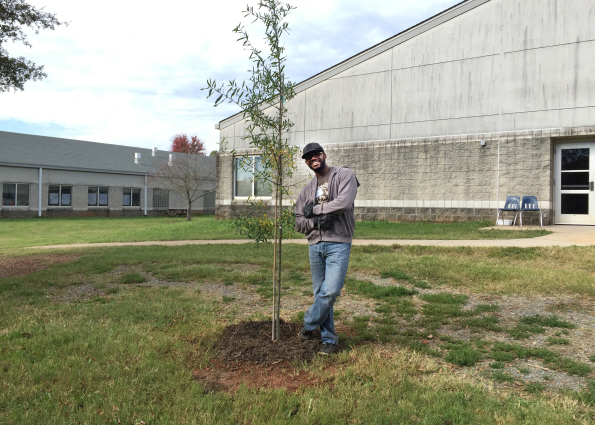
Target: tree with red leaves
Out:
[184,144]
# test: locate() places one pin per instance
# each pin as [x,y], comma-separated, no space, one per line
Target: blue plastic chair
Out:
[529,204]
[512,204]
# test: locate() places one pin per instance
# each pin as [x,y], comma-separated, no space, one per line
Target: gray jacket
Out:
[342,188]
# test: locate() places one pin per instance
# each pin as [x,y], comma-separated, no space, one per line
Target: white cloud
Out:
[128,73]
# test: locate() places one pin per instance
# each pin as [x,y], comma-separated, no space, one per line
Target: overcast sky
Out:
[127,73]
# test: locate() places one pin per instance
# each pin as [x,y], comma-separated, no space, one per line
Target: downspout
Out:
[39,196]
[500,112]
[145,194]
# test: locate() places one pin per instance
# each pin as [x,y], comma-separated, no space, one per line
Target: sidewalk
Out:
[561,236]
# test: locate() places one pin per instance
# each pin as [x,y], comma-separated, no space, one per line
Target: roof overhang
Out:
[86,170]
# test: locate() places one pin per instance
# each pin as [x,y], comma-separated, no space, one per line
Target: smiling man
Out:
[324,214]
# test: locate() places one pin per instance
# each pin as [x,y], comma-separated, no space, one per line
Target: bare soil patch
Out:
[247,355]
[22,266]
[577,310]
[77,293]
[223,377]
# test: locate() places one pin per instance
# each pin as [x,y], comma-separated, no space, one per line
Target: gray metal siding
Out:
[506,65]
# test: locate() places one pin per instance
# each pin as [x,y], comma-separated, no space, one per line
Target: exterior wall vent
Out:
[137,158]
[155,151]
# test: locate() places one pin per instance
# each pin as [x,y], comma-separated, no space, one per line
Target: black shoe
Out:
[304,334]
[327,348]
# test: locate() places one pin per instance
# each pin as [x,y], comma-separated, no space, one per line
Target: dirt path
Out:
[561,236]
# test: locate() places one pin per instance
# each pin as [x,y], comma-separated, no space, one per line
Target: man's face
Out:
[316,161]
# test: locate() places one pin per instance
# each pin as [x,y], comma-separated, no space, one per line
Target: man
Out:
[324,214]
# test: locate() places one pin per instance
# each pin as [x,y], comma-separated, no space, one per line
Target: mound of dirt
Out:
[22,266]
[251,342]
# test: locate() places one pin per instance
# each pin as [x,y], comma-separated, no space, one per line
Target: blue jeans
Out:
[328,264]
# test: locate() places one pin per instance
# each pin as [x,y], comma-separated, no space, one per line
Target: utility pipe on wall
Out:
[39,200]
[145,194]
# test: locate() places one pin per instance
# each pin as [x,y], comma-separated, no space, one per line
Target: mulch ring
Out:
[247,355]
[251,342]
[22,266]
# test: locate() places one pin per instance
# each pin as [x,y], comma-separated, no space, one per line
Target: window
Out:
[160,198]
[60,195]
[131,197]
[209,202]
[97,196]
[15,195]
[245,184]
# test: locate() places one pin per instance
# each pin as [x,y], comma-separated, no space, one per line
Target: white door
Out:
[574,195]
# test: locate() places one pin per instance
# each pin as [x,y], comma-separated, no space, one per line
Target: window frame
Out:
[98,203]
[131,204]
[16,195]
[253,181]
[60,194]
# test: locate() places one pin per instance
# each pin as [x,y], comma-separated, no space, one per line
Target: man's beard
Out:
[322,163]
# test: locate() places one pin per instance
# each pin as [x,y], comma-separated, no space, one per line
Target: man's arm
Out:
[302,224]
[344,200]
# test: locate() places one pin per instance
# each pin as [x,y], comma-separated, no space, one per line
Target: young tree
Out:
[15,15]
[262,100]
[184,144]
[187,175]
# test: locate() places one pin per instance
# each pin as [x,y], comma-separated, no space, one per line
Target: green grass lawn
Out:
[18,233]
[127,355]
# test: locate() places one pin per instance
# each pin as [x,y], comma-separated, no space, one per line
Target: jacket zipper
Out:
[329,200]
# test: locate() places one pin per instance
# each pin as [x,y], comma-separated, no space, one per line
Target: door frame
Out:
[571,219]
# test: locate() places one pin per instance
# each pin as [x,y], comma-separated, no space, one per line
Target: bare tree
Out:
[187,175]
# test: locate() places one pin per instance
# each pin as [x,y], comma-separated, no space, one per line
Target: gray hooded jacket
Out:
[342,188]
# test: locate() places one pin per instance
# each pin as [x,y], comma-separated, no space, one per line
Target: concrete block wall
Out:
[441,179]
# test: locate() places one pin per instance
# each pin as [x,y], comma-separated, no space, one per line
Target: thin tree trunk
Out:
[279,246]
[278,207]
[189,211]
[274,321]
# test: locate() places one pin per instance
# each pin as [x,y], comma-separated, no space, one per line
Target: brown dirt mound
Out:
[22,266]
[248,356]
[251,342]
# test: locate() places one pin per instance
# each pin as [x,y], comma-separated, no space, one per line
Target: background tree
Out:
[15,15]
[262,101]
[184,144]
[187,175]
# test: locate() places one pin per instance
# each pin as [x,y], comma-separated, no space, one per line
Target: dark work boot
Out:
[327,348]
[304,334]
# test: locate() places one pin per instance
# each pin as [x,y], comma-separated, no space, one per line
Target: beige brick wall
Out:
[434,179]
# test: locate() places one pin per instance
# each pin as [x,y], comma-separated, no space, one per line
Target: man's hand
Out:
[308,210]
[324,221]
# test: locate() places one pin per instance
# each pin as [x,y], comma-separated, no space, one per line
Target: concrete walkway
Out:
[561,236]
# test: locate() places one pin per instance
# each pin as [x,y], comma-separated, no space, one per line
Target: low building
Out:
[54,177]
[443,121]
